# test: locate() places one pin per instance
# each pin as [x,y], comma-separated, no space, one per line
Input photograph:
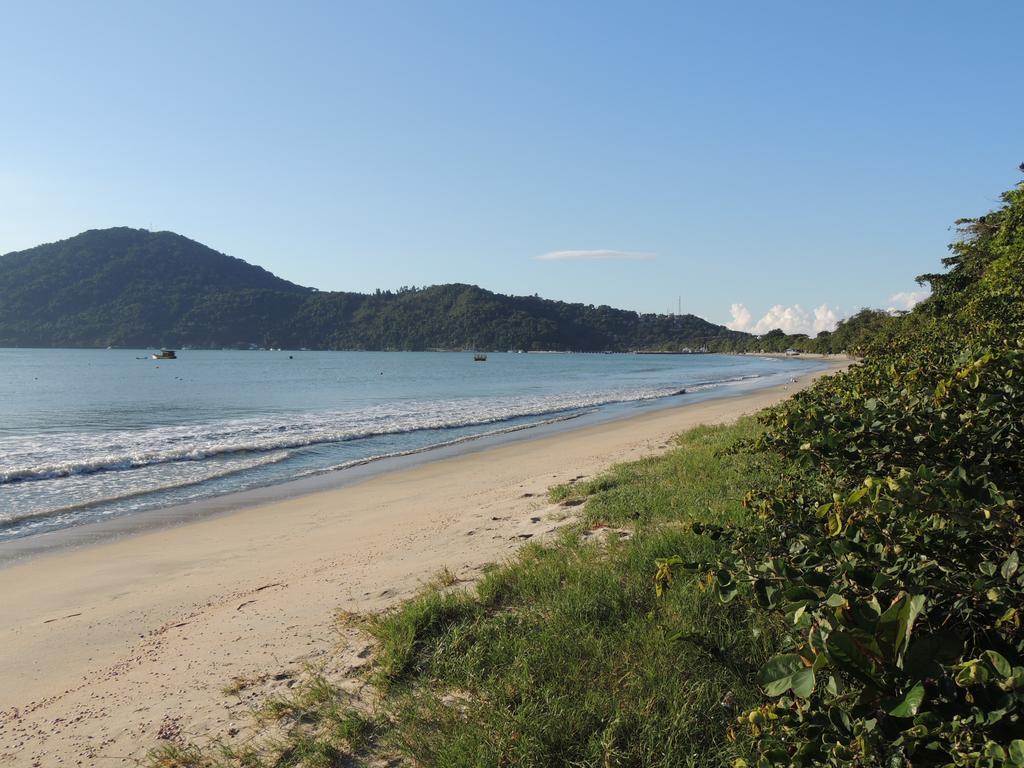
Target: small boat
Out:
[165,354]
[479,357]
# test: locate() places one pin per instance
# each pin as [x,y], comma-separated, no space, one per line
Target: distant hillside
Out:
[135,288]
[126,287]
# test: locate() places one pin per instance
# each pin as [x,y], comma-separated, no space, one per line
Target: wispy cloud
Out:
[596,255]
[794,319]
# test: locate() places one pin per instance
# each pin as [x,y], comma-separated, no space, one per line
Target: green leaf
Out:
[839,719]
[1009,615]
[895,625]
[724,586]
[994,751]
[846,655]
[803,683]
[972,673]
[908,704]
[726,594]
[1014,682]
[765,593]
[999,663]
[913,609]
[1010,566]
[1015,752]
[787,672]
[798,594]
[856,496]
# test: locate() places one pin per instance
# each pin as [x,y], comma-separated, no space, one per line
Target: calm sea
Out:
[90,434]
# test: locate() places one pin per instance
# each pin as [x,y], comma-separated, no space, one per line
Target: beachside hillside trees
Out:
[895,555]
[135,288]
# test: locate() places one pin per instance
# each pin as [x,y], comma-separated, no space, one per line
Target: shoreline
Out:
[97,531]
[112,645]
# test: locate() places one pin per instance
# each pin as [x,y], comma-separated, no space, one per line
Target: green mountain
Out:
[128,287]
[134,288]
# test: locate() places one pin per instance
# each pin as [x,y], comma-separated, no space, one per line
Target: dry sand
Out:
[106,649]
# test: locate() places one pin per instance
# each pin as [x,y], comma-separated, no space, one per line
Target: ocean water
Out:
[91,434]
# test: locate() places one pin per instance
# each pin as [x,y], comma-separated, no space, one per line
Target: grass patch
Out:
[564,656]
[313,726]
[179,756]
[701,479]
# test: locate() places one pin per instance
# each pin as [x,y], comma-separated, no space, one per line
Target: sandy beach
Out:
[108,648]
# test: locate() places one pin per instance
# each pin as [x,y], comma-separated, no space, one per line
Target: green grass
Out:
[564,656]
[700,480]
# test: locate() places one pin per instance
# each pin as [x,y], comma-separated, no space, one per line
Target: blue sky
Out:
[788,155]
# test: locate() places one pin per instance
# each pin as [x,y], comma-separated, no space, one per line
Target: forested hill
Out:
[124,286]
[134,288]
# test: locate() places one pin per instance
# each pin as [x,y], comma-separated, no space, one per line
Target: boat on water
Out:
[165,354]
[479,357]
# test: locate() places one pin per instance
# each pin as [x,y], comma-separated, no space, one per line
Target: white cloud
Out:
[740,317]
[825,319]
[794,319]
[905,300]
[593,255]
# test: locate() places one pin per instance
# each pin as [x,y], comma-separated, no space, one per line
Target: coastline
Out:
[113,644]
[100,529]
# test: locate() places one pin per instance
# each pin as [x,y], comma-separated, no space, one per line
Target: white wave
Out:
[70,454]
[136,490]
[444,444]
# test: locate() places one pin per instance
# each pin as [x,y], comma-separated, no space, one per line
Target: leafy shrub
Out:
[895,554]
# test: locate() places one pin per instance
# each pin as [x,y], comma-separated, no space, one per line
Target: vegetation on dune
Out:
[565,656]
[313,726]
[895,556]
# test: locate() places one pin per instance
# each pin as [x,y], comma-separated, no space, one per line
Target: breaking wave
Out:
[71,454]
